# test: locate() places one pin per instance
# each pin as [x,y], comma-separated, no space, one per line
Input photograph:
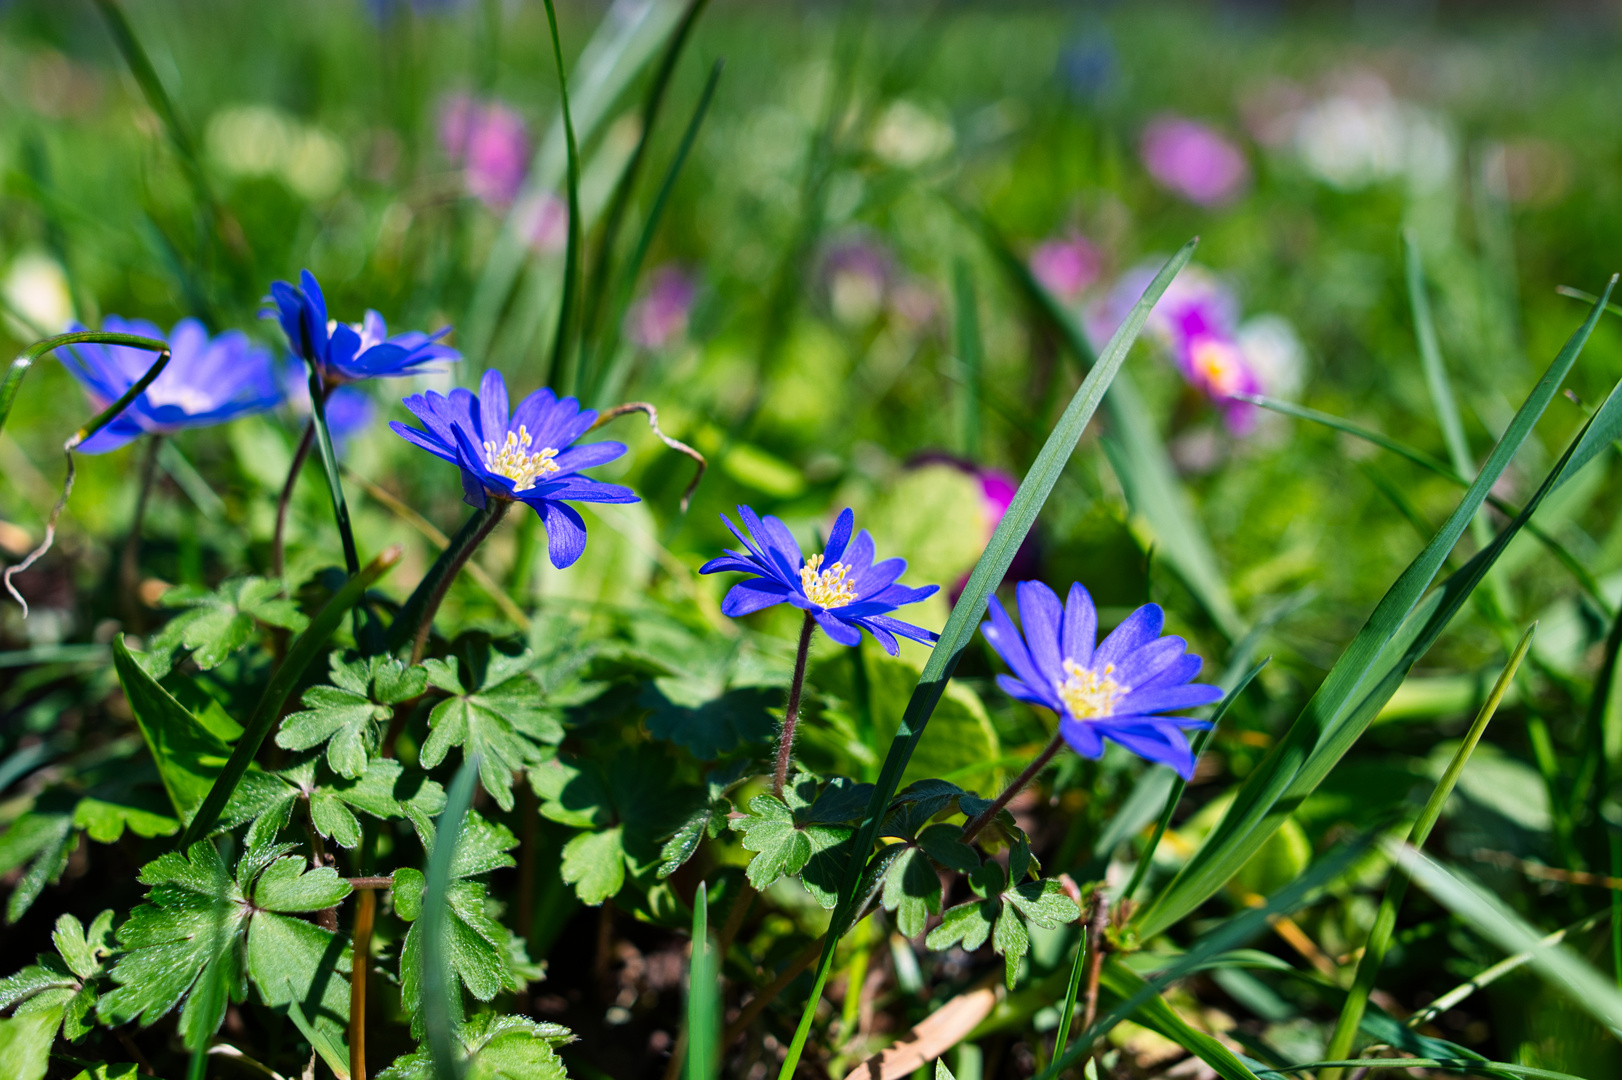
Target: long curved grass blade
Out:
[1061,1038]
[1385,921]
[564,354]
[965,618]
[607,350]
[1180,785]
[8,393]
[439,1012]
[1463,1065]
[1486,978]
[1425,461]
[303,649]
[13,381]
[703,998]
[1370,668]
[1492,918]
[619,202]
[1157,1015]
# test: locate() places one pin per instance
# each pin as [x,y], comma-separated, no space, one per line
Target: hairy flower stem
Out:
[129,563]
[278,560]
[459,554]
[365,909]
[785,740]
[1097,925]
[973,828]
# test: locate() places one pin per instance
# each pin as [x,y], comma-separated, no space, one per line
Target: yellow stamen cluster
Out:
[513,459]
[1088,694]
[826,588]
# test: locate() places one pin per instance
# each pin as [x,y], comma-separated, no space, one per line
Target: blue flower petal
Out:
[1040,614]
[756,594]
[1080,627]
[1137,630]
[840,537]
[565,533]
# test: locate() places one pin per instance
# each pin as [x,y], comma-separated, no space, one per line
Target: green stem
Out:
[329,462]
[426,626]
[1379,940]
[304,649]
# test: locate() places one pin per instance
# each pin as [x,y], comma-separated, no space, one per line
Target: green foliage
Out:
[213,624]
[67,983]
[350,714]
[804,834]
[496,710]
[484,956]
[387,790]
[496,1048]
[1005,911]
[622,805]
[203,932]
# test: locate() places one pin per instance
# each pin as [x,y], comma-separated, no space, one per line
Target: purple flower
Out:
[857,276]
[544,222]
[344,353]
[660,316]
[489,141]
[207,381]
[1197,322]
[843,589]
[1118,690]
[1066,267]
[525,456]
[1192,160]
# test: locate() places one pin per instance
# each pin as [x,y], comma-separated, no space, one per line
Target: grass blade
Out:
[1179,785]
[13,381]
[1493,919]
[1462,1065]
[303,649]
[619,202]
[1613,421]
[625,41]
[969,353]
[1382,651]
[1138,455]
[607,351]
[1234,932]
[1441,390]
[703,993]
[961,625]
[439,1011]
[564,354]
[1385,921]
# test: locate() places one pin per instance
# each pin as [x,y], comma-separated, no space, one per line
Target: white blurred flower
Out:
[258,140]
[36,289]
[907,135]
[1274,352]
[315,165]
[1362,134]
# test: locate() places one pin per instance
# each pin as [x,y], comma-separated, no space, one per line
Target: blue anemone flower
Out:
[344,353]
[526,456]
[843,588]
[1117,691]
[207,380]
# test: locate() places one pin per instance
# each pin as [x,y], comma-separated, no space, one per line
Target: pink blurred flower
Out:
[544,223]
[489,140]
[660,316]
[1066,267]
[857,275]
[1193,160]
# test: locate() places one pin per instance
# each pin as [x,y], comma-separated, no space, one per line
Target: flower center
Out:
[1218,365]
[826,588]
[514,460]
[1088,694]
